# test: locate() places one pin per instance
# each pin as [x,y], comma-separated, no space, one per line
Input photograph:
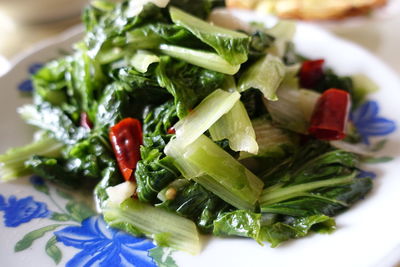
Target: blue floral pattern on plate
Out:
[26,86]
[100,245]
[368,123]
[104,246]
[365,174]
[19,211]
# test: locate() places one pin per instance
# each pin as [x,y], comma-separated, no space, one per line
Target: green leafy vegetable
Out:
[330,200]
[317,180]
[266,75]
[232,46]
[294,108]
[106,30]
[155,171]
[53,120]
[12,163]
[188,84]
[82,165]
[293,227]
[204,59]
[239,223]
[216,170]
[57,170]
[142,59]
[199,8]
[210,110]
[151,36]
[268,228]
[283,33]
[193,201]
[114,105]
[277,195]
[167,229]
[237,128]
[85,78]
[252,100]
[50,82]
[260,42]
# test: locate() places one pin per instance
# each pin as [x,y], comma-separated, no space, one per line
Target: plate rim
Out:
[64,37]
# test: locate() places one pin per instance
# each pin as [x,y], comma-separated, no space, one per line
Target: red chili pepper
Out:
[126,138]
[171,131]
[330,115]
[311,72]
[85,121]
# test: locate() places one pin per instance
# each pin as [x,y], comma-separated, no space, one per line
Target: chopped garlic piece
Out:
[119,193]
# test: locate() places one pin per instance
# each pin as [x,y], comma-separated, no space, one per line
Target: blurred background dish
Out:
[316,9]
[41,11]
[370,23]
[23,23]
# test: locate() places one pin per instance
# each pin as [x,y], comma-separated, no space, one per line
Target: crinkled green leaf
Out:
[231,45]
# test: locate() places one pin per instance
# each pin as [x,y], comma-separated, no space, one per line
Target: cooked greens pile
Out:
[225,148]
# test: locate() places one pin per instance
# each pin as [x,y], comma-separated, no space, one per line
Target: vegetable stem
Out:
[272,196]
[12,163]
[202,59]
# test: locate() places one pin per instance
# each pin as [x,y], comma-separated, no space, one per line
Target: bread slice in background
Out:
[309,9]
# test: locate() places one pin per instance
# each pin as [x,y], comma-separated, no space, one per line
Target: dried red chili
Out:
[171,131]
[330,115]
[126,138]
[311,72]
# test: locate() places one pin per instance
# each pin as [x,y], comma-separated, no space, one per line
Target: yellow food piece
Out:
[170,194]
[309,9]
[246,4]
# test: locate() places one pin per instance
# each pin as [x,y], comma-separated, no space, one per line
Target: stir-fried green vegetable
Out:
[221,120]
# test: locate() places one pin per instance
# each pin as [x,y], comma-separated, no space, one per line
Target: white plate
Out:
[379,15]
[367,235]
